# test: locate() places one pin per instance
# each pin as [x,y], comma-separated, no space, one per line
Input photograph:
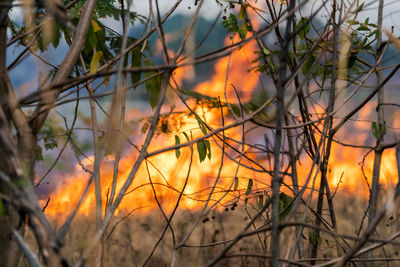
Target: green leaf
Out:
[314,238]
[201,124]
[2,210]
[177,150]
[242,31]
[359,8]
[94,63]
[42,43]
[186,136]
[231,24]
[260,201]
[249,187]
[352,60]
[375,131]
[67,38]
[308,65]
[233,18]
[267,198]
[245,203]
[91,38]
[50,142]
[286,204]
[198,96]
[242,13]
[57,34]
[266,51]
[136,62]
[363,27]
[202,150]
[382,130]
[303,27]
[153,86]
[38,153]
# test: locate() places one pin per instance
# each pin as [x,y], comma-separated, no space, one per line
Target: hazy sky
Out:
[210,10]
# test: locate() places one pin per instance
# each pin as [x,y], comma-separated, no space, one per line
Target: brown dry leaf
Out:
[48,29]
[393,39]
[94,63]
[95,26]
[170,95]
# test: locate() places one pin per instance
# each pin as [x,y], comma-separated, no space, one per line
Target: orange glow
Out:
[169,173]
[238,75]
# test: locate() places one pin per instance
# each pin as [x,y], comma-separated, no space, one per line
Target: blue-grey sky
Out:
[210,10]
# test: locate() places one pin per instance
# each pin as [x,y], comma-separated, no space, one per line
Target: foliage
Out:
[273,166]
[237,24]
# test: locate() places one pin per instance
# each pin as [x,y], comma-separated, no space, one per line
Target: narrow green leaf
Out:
[303,27]
[202,150]
[359,8]
[308,65]
[382,129]
[314,238]
[267,198]
[286,204]
[92,38]
[136,62]
[186,136]
[363,27]
[266,51]
[375,130]
[177,150]
[260,201]
[153,86]
[201,124]
[249,187]
[57,34]
[66,37]
[94,63]
[242,31]
[208,147]
[242,13]
[352,60]
[285,199]
[42,43]
[2,210]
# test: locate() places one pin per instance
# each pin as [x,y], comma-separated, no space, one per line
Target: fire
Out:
[235,66]
[167,174]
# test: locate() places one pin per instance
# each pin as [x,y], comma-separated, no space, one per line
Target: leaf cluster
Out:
[238,24]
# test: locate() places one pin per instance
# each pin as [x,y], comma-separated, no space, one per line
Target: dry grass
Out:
[131,241]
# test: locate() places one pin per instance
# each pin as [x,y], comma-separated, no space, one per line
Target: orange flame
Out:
[169,174]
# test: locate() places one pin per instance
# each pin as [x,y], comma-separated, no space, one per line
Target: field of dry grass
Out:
[130,242]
